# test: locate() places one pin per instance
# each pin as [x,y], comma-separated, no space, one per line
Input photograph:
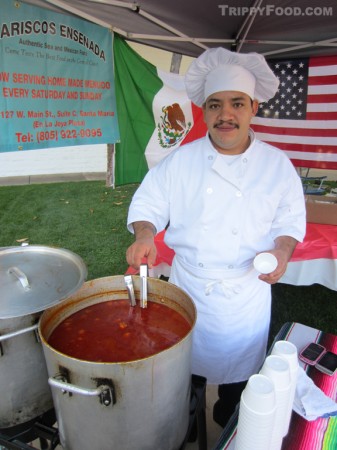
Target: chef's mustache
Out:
[225,122]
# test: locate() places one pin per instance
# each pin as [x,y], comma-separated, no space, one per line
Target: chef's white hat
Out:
[218,69]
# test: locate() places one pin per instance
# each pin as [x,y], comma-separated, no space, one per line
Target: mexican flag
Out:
[154,113]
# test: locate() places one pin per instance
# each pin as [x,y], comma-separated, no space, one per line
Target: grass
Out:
[315,306]
[90,219]
[85,217]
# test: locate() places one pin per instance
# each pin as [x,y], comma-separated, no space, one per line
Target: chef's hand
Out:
[282,261]
[284,248]
[143,247]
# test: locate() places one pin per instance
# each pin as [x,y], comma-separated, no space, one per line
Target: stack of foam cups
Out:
[288,352]
[277,370]
[256,414]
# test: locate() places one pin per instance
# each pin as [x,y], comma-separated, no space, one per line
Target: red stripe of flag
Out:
[324,98]
[322,80]
[321,61]
[295,131]
[322,116]
[199,128]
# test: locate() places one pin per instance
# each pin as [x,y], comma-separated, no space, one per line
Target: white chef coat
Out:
[220,214]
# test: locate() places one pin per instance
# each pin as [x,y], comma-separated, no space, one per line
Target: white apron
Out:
[233,316]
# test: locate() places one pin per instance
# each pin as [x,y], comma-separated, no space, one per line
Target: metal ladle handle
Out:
[21,276]
[129,287]
[143,272]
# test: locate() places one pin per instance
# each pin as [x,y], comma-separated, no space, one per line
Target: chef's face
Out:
[227,115]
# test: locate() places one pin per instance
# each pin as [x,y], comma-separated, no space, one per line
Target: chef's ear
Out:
[255,107]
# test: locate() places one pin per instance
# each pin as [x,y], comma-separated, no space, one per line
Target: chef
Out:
[224,199]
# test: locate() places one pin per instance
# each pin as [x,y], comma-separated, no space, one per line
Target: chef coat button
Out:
[245,160]
[200,265]
[238,194]
[209,190]
[210,157]
[235,231]
[230,266]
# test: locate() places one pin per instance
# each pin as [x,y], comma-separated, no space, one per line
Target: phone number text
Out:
[55,135]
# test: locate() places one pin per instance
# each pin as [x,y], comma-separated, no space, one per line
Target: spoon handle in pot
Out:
[143,272]
[129,287]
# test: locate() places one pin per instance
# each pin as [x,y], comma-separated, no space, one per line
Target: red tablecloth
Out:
[320,242]
[314,260]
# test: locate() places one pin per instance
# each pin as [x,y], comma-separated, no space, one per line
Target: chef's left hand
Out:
[284,248]
[282,261]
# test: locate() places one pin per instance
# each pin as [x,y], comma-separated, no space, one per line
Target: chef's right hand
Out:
[142,248]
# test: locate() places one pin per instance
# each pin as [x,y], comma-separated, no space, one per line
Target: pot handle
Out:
[18,332]
[105,392]
[21,276]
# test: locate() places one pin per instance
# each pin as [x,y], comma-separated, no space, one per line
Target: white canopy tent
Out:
[282,29]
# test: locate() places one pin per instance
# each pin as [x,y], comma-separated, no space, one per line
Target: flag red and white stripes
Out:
[311,141]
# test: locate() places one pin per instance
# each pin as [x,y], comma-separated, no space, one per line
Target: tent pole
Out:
[137,9]
[257,4]
[110,172]
[327,42]
[85,16]
[175,62]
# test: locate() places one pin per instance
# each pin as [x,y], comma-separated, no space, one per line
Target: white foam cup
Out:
[277,369]
[259,394]
[265,262]
[288,351]
[256,414]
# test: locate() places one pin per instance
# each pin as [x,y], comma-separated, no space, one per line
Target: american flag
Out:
[302,117]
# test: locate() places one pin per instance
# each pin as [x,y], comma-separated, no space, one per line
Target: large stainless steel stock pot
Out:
[134,405]
[32,278]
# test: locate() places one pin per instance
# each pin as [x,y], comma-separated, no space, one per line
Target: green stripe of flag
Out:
[136,84]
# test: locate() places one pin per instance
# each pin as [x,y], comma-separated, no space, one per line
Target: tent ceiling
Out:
[189,26]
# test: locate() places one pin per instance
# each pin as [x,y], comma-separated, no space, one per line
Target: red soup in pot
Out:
[113,331]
